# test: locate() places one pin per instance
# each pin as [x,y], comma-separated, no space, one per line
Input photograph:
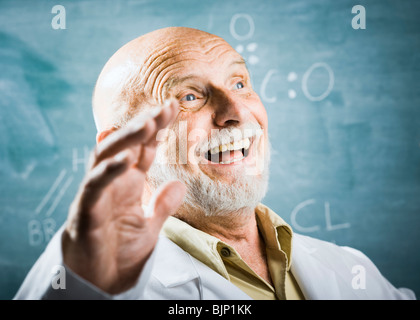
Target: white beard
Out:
[208,196]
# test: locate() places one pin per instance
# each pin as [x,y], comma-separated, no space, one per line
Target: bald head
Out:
[141,73]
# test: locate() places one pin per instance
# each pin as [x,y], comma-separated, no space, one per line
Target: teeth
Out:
[214,150]
[234,160]
[237,145]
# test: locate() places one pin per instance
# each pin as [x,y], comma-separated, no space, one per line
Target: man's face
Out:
[218,145]
[221,129]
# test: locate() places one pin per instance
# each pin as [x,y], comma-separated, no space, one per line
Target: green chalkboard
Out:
[343,105]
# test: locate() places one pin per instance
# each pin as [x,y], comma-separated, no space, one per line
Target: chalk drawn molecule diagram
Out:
[248,52]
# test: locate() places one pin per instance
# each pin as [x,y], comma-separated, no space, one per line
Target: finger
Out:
[168,113]
[139,131]
[164,119]
[165,202]
[146,157]
[101,176]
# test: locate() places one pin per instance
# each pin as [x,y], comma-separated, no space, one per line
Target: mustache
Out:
[227,135]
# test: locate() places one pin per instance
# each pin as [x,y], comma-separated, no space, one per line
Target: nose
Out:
[228,108]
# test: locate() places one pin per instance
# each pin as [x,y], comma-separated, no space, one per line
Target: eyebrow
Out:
[175,81]
[240,61]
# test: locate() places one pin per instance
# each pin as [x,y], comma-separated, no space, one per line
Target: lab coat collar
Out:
[317,272]
[181,269]
[175,268]
[315,280]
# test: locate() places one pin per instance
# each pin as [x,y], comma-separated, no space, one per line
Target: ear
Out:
[103,134]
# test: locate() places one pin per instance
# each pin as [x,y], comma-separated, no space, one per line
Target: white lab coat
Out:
[323,271]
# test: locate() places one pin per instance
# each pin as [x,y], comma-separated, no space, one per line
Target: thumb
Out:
[166,200]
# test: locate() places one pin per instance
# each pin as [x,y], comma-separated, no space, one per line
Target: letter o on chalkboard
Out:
[308,74]
[232,26]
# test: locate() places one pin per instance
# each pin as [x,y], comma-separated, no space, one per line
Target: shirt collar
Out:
[276,232]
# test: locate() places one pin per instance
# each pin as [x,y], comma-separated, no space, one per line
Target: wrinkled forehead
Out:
[201,48]
[146,66]
[181,57]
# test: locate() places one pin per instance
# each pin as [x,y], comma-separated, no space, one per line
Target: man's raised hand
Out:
[108,237]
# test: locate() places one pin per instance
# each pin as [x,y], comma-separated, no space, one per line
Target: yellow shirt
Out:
[224,259]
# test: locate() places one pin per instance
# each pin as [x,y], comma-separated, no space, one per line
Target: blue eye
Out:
[238,85]
[189,97]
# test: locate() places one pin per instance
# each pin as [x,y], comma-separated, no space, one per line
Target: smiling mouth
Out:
[230,152]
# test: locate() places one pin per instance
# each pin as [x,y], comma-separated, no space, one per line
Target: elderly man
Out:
[170,205]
